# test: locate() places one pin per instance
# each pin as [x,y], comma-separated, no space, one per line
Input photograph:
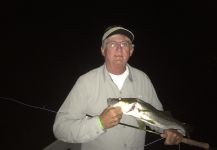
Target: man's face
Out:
[117,50]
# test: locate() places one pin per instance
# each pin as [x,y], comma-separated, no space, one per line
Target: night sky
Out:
[46,46]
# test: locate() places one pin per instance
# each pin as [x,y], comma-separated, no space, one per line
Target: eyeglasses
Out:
[114,45]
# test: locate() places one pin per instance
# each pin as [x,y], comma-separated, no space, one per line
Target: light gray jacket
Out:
[89,97]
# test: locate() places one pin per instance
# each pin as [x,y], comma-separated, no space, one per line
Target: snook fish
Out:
[146,113]
[152,117]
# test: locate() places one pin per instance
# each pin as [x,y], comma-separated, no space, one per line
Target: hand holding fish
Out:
[110,117]
[172,137]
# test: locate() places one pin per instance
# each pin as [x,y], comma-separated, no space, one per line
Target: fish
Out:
[146,114]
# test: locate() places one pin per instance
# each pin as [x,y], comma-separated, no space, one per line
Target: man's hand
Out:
[172,137]
[110,117]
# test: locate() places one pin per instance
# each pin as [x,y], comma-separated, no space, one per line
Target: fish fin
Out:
[141,124]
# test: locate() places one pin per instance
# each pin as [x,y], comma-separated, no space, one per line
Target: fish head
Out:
[126,105]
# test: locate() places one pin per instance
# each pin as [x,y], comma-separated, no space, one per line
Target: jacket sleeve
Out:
[71,124]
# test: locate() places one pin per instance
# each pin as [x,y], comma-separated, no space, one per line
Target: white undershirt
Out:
[119,79]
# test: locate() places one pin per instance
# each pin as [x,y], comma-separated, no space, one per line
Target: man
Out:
[85,117]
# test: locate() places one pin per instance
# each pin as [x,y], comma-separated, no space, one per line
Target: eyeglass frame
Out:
[128,44]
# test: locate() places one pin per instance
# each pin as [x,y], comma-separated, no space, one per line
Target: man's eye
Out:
[113,45]
[124,44]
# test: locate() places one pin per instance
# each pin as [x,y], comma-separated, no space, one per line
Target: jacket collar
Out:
[106,75]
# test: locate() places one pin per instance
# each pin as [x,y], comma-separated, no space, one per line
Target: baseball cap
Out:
[117,30]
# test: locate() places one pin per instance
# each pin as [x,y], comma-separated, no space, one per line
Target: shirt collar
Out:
[107,76]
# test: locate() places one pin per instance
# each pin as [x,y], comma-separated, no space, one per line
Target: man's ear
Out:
[131,51]
[103,51]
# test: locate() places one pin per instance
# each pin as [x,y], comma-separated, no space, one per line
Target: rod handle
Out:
[196,143]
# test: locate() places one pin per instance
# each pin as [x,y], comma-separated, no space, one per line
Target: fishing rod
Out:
[188,141]
[148,114]
[184,140]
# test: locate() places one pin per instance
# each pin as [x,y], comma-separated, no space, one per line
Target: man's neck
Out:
[116,70]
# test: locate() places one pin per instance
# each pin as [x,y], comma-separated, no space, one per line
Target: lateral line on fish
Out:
[150,131]
[135,127]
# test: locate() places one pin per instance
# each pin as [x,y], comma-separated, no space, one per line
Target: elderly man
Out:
[113,79]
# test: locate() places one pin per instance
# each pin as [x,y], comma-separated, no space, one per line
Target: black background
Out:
[46,46]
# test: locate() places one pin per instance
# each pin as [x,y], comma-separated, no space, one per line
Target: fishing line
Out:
[179,145]
[154,142]
[27,105]
[52,111]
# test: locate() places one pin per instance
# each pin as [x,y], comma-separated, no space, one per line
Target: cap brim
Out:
[124,32]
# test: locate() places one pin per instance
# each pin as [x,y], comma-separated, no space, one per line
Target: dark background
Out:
[46,46]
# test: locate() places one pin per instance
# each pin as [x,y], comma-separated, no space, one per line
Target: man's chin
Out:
[118,62]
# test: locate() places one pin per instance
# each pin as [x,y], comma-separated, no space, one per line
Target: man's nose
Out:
[119,47]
